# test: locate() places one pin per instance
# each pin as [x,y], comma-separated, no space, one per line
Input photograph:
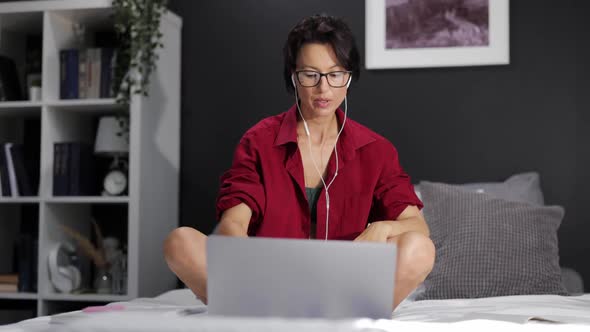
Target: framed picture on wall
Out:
[436,33]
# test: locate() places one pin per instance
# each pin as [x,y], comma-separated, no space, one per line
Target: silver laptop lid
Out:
[299,278]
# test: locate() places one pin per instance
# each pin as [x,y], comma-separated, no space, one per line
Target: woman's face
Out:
[321,100]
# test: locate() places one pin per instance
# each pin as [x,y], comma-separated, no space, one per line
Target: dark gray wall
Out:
[449,124]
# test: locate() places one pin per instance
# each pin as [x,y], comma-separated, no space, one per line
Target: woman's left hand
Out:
[378,231]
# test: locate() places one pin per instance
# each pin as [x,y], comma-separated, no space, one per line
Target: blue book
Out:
[68,74]
[61,167]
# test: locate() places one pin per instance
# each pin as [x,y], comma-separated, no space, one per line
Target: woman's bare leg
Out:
[415,259]
[185,253]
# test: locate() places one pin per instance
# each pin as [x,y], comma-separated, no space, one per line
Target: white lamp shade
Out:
[112,136]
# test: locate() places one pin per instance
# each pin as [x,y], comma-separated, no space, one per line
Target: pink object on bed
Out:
[104,308]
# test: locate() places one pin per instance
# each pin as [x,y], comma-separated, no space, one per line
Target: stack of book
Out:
[8,283]
[15,180]
[87,73]
[73,169]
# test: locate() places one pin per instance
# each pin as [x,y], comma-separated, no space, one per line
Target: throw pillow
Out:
[523,187]
[487,246]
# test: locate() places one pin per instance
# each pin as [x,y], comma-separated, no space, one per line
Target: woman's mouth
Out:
[321,103]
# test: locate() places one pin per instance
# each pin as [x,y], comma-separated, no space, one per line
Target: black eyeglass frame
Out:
[322,75]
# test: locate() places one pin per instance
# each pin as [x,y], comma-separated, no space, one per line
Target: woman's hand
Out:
[378,231]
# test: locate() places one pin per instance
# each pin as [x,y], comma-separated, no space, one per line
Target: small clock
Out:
[115,183]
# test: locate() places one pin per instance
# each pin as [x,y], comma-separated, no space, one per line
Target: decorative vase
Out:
[35,93]
[103,281]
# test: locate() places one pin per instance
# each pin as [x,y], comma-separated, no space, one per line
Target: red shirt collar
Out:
[352,137]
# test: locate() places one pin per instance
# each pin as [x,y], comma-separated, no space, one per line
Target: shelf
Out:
[18,296]
[88,199]
[66,199]
[154,153]
[19,200]
[23,107]
[38,6]
[86,297]
[87,105]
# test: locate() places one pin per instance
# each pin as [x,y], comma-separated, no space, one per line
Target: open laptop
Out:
[265,277]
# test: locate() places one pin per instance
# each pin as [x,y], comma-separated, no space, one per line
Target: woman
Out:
[312,164]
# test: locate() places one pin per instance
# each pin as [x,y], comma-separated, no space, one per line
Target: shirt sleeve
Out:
[394,191]
[242,182]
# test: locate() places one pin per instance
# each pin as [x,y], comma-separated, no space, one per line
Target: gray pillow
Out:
[523,187]
[487,246]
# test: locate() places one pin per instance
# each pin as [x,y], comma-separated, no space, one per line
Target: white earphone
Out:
[326,186]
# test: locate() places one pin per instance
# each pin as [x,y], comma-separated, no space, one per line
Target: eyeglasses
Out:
[311,78]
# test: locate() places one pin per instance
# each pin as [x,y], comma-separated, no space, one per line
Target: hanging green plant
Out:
[137,25]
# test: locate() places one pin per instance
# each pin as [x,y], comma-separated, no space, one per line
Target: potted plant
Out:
[137,25]
[35,90]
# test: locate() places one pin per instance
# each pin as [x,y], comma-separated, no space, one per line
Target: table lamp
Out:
[112,140]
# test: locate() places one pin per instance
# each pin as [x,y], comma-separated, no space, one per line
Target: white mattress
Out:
[178,310]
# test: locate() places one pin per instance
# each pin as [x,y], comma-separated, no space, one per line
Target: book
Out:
[25,266]
[106,73]
[8,288]
[11,173]
[81,169]
[22,176]
[9,278]
[94,70]
[69,68]
[60,169]
[4,173]
[83,74]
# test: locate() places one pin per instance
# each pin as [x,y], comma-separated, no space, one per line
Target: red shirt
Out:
[267,175]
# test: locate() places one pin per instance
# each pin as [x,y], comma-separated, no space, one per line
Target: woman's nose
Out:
[323,85]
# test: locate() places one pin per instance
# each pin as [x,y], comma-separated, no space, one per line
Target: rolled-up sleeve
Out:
[394,191]
[242,182]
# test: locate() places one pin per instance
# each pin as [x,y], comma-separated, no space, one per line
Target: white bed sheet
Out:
[179,311]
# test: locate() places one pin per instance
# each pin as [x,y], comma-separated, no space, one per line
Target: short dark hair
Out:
[323,29]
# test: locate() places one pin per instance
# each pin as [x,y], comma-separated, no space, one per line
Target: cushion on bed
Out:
[486,246]
[522,187]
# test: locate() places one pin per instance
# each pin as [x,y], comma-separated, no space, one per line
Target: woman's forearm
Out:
[416,224]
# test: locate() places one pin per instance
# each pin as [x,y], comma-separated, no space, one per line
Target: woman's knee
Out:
[416,254]
[181,241]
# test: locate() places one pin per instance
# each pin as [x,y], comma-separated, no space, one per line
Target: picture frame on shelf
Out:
[436,33]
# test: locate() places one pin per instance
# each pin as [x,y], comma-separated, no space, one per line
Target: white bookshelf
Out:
[151,204]
[19,296]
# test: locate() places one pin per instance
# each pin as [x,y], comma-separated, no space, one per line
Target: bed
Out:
[178,310]
[496,245]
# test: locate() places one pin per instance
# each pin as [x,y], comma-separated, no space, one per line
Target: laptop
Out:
[265,277]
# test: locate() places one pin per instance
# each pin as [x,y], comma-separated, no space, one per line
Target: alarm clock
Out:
[115,183]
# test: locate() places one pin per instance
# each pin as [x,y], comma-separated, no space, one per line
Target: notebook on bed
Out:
[265,277]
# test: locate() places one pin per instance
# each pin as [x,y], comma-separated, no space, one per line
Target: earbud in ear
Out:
[347,84]
[293,80]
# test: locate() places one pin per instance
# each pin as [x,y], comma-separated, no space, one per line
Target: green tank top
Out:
[312,198]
